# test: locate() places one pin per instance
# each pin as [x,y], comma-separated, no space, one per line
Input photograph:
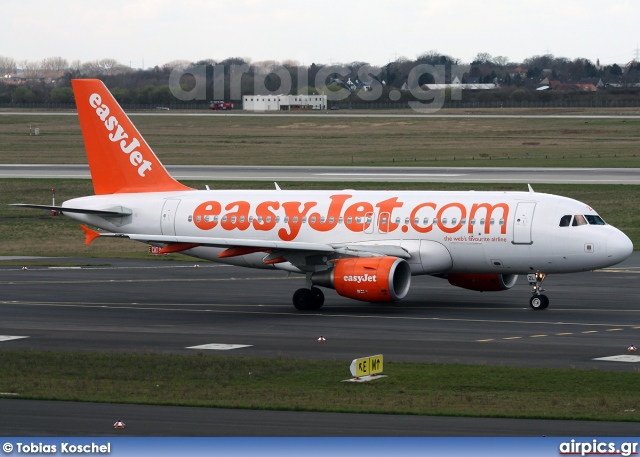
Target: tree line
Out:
[48,81]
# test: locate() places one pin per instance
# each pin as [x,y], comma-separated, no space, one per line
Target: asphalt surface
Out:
[356,174]
[167,307]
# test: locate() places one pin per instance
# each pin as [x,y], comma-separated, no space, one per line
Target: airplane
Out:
[367,245]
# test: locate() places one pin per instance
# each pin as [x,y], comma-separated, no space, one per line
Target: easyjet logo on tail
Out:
[127,145]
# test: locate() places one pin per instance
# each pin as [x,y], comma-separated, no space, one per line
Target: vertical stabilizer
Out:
[119,158]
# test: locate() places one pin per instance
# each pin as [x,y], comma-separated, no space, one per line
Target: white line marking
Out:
[9,337]
[220,347]
[397,175]
[620,358]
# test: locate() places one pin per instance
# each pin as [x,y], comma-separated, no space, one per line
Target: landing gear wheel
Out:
[307,299]
[539,302]
[318,298]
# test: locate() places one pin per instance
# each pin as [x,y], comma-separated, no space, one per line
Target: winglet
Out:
[119,158]
[90,234]
[530,189]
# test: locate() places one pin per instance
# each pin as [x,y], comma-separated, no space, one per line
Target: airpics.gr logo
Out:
[110,122]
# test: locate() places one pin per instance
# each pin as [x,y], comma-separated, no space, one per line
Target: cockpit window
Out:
[594,220]
[565,221]
[579,220]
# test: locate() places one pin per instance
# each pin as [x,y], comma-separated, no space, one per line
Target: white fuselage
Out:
[444,232]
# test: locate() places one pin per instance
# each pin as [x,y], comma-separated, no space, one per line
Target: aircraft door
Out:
[384,221]
[168,218]
[369,222]
[522,221]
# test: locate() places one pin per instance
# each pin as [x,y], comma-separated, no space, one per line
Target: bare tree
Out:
[30,68]
[176,64]
[54,67]
[501,61]
[76,65]
[7,66]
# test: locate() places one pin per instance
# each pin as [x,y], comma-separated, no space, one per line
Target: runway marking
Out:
[485,341]
[179,307]
[220,347]
[513,338]
[397,175]
[620,358]
[628,271]
[614,329]
[563,334]
[537,336]
[9,337]
[116,281]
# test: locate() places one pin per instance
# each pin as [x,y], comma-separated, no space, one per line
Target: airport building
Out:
[283,102]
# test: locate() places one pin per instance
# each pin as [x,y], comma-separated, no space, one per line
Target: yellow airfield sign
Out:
[367,366]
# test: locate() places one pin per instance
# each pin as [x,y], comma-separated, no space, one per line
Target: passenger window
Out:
[331,220]
[565,221]
[313,220]
[425,221]
[579,220]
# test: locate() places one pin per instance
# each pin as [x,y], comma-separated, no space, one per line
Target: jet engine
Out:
[483,282]
[372,279]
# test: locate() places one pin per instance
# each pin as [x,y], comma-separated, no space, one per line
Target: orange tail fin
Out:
[119,158]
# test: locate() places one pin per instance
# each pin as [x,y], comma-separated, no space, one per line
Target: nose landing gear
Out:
[538,300]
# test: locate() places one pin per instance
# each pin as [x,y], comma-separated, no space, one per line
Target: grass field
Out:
[292,384]
[338,141]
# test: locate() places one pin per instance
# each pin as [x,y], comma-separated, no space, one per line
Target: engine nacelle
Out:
[483,282]
[372,279]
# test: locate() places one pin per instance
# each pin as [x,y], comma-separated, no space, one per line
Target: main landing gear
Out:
[538,300]
[308,299]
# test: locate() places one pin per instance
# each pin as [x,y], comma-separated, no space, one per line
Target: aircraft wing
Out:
[237,246]
[111,212]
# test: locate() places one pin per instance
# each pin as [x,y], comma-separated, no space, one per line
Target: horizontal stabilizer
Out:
[97,212]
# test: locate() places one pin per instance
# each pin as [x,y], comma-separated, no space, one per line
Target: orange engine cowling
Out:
[483,282]
[372,279]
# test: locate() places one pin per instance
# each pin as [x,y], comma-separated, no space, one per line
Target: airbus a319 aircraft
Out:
[366,245]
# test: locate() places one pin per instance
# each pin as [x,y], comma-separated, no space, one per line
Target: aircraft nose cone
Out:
[619,247]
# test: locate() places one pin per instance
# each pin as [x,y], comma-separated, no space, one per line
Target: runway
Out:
[516,175]
[168,307]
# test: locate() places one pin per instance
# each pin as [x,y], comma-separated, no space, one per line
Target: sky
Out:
[145,33]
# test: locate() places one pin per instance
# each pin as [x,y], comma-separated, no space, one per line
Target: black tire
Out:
[538,302]
[304,299]
[318,297]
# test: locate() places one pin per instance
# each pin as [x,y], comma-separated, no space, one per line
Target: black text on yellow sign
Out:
[367,366]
